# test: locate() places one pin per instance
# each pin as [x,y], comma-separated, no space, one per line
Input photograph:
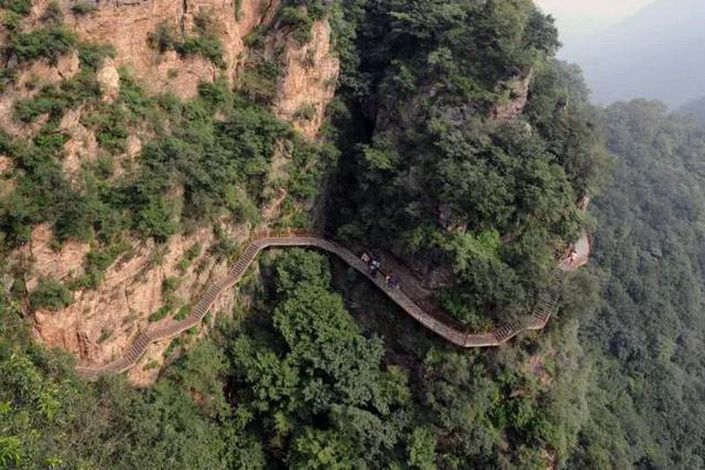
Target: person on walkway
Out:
[374,267]
[365,258]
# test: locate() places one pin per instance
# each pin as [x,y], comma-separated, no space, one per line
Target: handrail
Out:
[537,320]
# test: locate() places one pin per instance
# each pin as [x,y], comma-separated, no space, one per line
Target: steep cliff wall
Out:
[309,81]
[127,25]
[135,290]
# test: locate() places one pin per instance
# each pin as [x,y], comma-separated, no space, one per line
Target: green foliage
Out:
[205,43]
[21,7]
[48,43]
[422,450]
[191,254]
[163,38]
[209,47]
[318,365]
[92,55]
[298,19]
[160,314]
[50,294]
[299,15]
[647,334]
[306,112]
[84,7]
[50,419]
[260,78]
[55,100]
[110,123]
[53,14]
[97,262]
[430,173]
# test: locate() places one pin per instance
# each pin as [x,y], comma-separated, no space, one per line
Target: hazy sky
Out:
[580,17]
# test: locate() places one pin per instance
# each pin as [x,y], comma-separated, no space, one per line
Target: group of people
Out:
[375,266]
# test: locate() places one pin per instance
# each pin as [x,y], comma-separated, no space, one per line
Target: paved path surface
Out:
[537,320]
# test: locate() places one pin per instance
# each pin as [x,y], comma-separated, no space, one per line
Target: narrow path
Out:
[538,319]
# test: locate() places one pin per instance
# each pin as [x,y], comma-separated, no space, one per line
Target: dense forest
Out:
[645,406]
[433,176]
[432,152]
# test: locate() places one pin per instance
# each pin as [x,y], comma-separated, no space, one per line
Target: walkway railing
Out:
[538,319]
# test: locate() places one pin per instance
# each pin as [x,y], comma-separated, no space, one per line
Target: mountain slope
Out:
[694,108]
[655,54]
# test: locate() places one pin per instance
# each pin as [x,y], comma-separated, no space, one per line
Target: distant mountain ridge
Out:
[656,54]
[694,108]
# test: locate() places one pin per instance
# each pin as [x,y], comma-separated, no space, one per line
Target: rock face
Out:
[310,81]
[82,145]
[109,80]
[102,322]
[49,263]
[127,26]
[518,97]
[5,164]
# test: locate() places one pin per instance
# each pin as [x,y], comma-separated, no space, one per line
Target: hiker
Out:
[388,280]
[374,267]
[396,282]
[365,258]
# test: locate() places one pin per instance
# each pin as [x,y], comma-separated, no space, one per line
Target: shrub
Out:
[205,46]
[21,7]
[163,38]
[205,43]
[50,294]
[55,100]
[49,43]
[12,22]
[160,314]
[183,312]
[260,79]
[110,125]
[53,14]
[169,285]
[306,112]
[299,20]
[93,55]
[191,254]
[83,7]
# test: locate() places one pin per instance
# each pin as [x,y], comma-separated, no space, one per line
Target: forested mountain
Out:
[646,405]
[452,142]
[479,202]
[695,109]
[655,54]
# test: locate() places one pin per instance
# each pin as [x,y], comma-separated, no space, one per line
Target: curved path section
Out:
[538,319]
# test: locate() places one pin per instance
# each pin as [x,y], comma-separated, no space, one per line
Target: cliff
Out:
[148,283]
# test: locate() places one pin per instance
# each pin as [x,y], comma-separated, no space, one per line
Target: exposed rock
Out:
[103,322]
[5,164]
[145,373]
[109,81]
[133,146]
[127,28]
[41,72]
[49,263]
[82,146]
[518,97]
[308,85]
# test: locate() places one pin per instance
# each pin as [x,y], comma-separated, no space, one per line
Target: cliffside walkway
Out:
[537,320]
